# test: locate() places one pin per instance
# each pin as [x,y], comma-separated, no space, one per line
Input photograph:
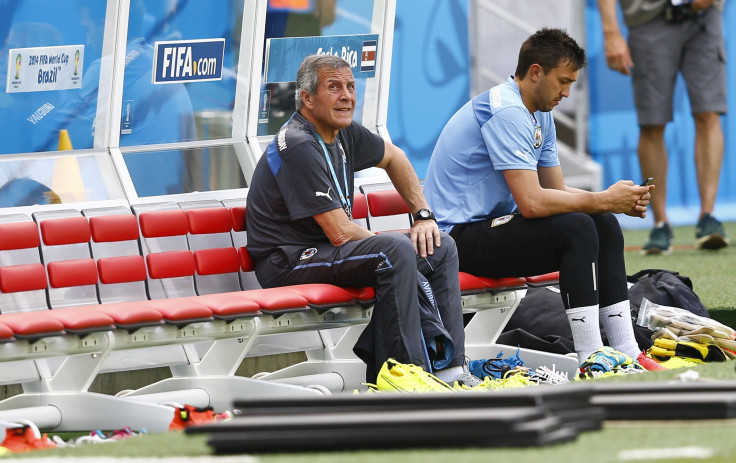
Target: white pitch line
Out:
[664,454]
[176,459]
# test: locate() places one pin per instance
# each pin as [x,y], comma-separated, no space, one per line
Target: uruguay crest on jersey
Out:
[537,137]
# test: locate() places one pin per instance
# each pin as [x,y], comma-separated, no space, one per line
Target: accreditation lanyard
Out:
[344,200]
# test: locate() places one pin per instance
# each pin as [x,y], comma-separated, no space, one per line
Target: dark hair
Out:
[549,48]
[307,78]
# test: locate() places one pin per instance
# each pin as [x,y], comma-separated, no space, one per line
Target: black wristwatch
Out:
[424,214]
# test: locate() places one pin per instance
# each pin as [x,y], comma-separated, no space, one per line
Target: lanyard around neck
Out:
[343,198]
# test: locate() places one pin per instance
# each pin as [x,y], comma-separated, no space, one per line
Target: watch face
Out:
[423,214]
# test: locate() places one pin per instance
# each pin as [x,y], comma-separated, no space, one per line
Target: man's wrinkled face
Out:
[333,104]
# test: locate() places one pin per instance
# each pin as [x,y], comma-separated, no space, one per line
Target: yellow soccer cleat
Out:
[400,377]
[518,377]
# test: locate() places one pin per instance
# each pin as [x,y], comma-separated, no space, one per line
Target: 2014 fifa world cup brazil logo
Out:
[76,62]
[18,60]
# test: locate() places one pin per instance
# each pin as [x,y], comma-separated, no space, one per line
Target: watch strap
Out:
[424,214]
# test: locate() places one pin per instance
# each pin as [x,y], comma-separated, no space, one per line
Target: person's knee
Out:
[448,247]
[447,239]
[575,223]
[707,121]
[609,230]
[444,257]
[397,248]
[651,132]
[576,229]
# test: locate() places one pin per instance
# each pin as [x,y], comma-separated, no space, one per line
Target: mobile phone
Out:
[647,181]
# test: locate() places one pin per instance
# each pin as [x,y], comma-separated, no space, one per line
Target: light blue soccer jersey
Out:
[491,133]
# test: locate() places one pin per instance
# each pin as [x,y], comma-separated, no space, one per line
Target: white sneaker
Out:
[545,375]
[467,379]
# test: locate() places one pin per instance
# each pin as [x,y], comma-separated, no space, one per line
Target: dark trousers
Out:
[586,249]
[386,261]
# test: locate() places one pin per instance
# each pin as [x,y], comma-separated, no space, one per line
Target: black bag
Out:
[664,287]
[541,313]
[539,323]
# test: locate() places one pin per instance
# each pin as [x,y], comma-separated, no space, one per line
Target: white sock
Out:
[586,334]
[616,320]
[449,375]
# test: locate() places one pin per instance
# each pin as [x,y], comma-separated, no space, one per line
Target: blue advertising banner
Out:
[188,61]
[284,55]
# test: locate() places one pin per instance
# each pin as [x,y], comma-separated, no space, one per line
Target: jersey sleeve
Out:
[509,138]
[305,182]
[369,147]
[549,156]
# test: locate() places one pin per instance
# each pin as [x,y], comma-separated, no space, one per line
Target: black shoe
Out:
[660,240]
[709,233]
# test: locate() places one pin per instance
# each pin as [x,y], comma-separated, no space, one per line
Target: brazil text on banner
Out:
[188,61]
[284,55]
[40,69]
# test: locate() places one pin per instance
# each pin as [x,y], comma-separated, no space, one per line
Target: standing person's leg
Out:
[652,154]
[387,262]
[708,158]
[704,70]
[513,246]
[441,270]
[655,48]
[615,311]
